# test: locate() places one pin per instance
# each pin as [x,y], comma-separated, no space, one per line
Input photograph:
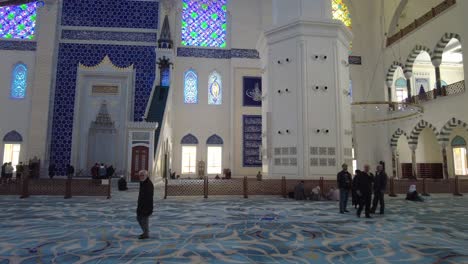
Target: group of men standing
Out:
[362,186]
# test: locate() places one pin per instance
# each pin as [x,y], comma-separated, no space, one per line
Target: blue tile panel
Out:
[17,45]
[142,57]
[106,35]
[218,53]
[251,140]
[110,13]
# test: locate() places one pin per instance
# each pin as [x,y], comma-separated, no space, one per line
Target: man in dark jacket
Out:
[380,185]
[52,170]
[363,186]
[344,184]
[110,172]
[122,184]
[70,171]
[145,203]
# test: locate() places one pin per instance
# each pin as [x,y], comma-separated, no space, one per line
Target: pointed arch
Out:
[392,69]
[13,136]
[447,129]
[396,136]
[420,126]
[413,55]
[215,89]
[189,139]
[19,81]
[458,141]
[190,87]
[440,46]
[214,140]
[400,82]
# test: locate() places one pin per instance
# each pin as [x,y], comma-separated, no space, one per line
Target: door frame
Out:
[132,178]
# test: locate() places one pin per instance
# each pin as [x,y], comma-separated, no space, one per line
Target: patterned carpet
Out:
[230,230]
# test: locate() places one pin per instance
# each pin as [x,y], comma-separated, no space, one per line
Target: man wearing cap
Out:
[344,184]
[145,203]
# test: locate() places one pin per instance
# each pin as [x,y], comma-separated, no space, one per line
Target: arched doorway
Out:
[451,68]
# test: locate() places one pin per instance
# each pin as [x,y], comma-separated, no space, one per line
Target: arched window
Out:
[19,21]
[204,23]
[401,92]
[189,154]
[459,155]
[340,12]
[12,147]
[191,87]
[215,89]
[215,154]
[19,81]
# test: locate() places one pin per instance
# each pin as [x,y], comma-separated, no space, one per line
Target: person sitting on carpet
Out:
[122,184]
[413,195]
[333,194]
[315,194]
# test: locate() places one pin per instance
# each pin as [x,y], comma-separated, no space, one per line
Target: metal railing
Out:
[449,90]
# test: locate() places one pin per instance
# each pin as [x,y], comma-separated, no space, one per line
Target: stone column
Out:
[436,63]
[444,162]
[43,81]
[408,76]
[394,163]
[413,162]
[309,108]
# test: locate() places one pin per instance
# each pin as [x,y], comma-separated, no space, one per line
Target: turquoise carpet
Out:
[230,230]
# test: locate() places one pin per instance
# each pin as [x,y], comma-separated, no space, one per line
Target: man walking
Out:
[363,186]
[380,185]
[344,184]
[145,203]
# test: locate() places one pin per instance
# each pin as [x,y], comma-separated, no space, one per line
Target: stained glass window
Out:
[204,23]
[18,22]
[19,81]
[215,89]
[340,12]
[191,87]
[400,83]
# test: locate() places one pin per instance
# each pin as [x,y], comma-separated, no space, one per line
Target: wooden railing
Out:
[282,187]
[57,187]
[449,90]
[434,12]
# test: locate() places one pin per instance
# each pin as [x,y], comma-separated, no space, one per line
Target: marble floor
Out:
[230,230]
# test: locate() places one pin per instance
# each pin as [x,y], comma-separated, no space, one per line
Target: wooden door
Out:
[139,160]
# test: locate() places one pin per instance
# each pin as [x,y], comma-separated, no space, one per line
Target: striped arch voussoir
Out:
[447,130]
[440,47]
[392,69]
[413,140]
[396,136]
[413,55]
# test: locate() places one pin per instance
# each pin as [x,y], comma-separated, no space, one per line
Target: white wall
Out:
[428,149]
[373,142]
[15,113]
[246,21]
